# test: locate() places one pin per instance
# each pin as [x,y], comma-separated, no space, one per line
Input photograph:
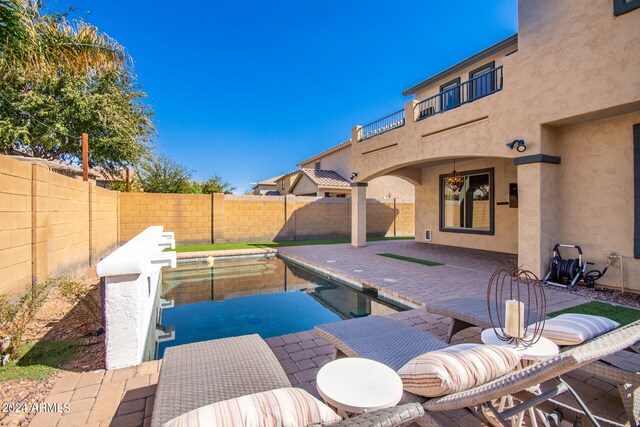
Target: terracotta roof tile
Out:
[326,178]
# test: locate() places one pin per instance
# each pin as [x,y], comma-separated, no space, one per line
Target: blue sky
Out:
[248,89]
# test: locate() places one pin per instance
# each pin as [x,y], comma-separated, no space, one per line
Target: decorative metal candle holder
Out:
[523,286]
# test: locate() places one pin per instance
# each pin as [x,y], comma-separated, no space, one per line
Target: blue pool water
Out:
[264,296]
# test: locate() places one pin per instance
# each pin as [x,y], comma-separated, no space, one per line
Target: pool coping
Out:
[383,293]
[203,255]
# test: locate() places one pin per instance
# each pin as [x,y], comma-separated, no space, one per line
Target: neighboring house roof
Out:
[510,41]
[333,149]
[270,181]
[105,176]
[53,165]
[323,178]
[293,172]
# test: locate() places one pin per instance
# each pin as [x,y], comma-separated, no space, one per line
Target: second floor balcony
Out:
[452,96]
[385,124]
[455,95]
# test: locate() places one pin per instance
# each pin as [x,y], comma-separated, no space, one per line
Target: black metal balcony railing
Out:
[462,93]
[385,124]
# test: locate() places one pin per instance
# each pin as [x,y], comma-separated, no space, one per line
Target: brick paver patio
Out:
[124,397]
[465,272]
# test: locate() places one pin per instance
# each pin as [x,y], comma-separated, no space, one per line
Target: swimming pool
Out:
[263,295]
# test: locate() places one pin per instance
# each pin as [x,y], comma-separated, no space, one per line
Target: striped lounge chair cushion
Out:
[456,368]
[290,407]
[574,329]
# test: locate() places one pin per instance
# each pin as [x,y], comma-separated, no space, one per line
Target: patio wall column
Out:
[537,211]
[358,214]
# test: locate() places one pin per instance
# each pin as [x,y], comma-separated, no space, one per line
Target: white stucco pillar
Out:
[358,214]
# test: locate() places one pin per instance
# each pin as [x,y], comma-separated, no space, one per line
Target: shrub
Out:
[85,298]
[17,312]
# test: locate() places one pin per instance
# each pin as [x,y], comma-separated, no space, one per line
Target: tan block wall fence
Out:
[52,225]
[257,218]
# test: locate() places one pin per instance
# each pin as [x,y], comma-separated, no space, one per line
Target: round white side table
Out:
[541,350]
[354,385]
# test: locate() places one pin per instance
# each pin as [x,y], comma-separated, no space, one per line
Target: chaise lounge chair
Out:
[386,342]
[195,375]
[622,368]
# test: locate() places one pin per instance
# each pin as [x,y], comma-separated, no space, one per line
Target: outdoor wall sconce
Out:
[353,175]
[519,145]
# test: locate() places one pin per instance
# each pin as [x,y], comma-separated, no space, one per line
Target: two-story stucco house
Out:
[533,141]
[329,174]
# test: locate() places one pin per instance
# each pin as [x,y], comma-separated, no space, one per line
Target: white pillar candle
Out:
[514,315]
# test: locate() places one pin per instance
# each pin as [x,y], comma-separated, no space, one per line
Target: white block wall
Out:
[132,274]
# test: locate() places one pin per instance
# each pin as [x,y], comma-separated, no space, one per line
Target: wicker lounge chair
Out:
[366,342]
[622,368]
[198,374]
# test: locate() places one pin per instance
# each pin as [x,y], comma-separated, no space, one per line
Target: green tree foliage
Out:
[59,79]
[46,120]
[164,175]
[39,46]
[216,184]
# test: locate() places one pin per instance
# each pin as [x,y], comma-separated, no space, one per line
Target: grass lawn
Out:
[409,259]
[254,245]
[38,360]
[622,315]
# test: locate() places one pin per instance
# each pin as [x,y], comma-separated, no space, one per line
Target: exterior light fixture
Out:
[353,175]
[454,180]
[519,145]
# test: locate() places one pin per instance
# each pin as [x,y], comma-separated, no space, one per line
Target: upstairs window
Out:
[317,166]
[282,184]
[482,81]
[450,95]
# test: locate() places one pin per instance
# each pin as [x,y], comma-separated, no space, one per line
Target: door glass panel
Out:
[482,83]
[450,97]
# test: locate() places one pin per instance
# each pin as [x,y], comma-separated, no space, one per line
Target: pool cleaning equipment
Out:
[567,272]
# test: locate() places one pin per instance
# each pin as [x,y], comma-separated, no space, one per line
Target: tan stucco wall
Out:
[383,187]
[574,64]
[288,180]
[305,187]
[339,161]
[260,189]
[463,75]
[50,225]
[390,187]
[505,238]
[596,192]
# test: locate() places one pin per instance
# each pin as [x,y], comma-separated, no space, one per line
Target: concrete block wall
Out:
[197,218]
[317,218]
[106,221]
[50,224]
[187,215]
[15,225]
[252,218]
[221,218]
